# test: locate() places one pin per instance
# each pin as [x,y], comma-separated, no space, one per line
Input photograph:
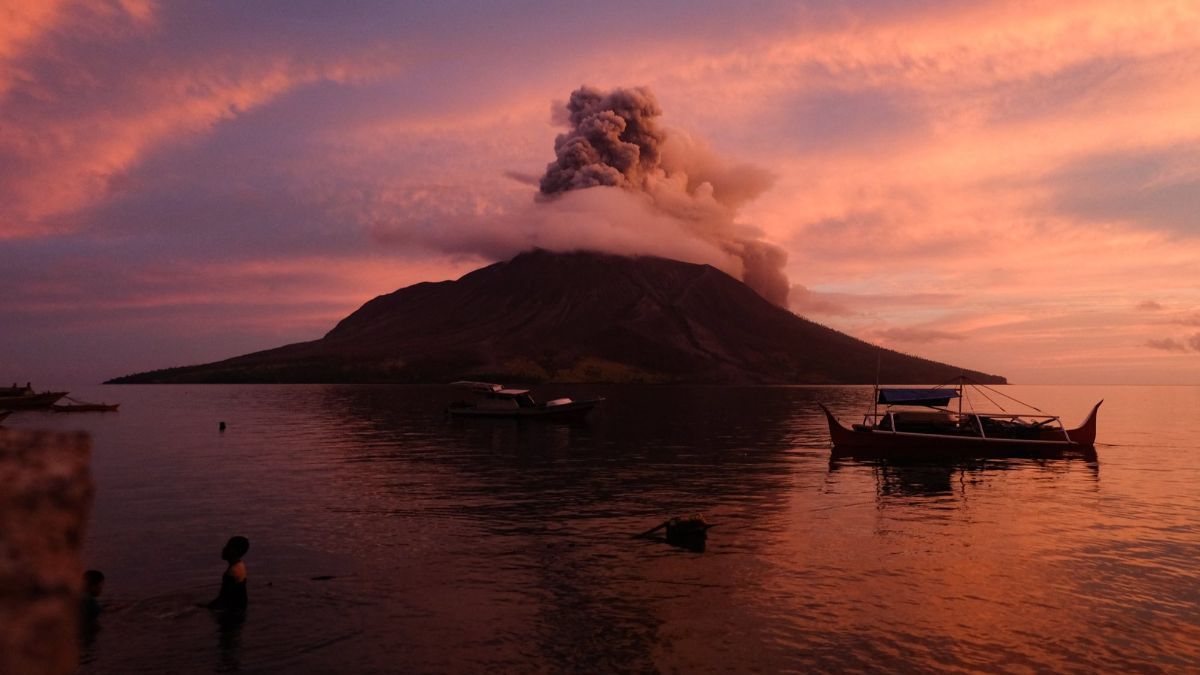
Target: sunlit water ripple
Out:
[467,546]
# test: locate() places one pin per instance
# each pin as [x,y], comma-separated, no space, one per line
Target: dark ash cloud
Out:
[613,140]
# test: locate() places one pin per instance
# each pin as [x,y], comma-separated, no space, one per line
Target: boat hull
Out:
[573,410]
[898,445]
[43,400]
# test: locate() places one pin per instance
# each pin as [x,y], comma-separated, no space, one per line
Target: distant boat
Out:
[494,400]
[16,398]
[919,424]
[86,407]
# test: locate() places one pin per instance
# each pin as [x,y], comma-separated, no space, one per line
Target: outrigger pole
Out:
[963,380]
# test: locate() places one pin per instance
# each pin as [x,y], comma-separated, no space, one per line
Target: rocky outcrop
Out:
[45,499]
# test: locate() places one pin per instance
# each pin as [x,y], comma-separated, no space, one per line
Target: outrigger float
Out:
[917,424]
[76,405]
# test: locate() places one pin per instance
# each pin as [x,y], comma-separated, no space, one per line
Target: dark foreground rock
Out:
[575,317]
[45,498]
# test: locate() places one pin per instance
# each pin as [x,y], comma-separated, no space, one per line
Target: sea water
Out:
[386,537]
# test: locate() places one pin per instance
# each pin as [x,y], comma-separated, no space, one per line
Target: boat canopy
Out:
[478,386]
[929,397]
[511,392]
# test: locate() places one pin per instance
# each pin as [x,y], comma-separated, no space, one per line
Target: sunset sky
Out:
[1012,187]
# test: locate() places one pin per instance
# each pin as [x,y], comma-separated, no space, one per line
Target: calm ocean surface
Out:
[477,546]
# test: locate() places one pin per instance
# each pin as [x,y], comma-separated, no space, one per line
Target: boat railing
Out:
[1014,416]
[871,417]
[886,420]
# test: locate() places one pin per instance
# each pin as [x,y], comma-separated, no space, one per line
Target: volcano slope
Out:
[575,317]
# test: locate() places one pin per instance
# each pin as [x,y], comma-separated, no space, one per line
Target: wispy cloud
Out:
[1188,344]
[914,335]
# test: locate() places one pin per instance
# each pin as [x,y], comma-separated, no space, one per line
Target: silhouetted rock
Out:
[574,317]
[45,498]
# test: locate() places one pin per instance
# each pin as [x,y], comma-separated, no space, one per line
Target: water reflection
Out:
[472,545]
[559,502]
[903,480]
[229,640]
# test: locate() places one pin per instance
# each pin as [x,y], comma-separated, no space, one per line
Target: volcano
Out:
[575,317]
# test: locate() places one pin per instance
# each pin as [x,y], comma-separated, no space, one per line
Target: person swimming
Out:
[233,583]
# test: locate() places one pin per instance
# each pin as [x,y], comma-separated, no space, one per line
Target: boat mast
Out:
[875,396]
[961,378]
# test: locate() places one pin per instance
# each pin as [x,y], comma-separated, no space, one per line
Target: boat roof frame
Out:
[484,387]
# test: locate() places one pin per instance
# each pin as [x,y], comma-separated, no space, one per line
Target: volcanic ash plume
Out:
[614,140]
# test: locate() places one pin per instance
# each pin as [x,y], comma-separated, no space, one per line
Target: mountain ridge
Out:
[571,317]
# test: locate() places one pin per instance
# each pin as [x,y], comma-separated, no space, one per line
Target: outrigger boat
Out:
[494,400]
[15,398]
[919,424]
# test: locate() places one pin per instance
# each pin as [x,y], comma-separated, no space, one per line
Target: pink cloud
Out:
[807,302]
[901,334]
[68,141]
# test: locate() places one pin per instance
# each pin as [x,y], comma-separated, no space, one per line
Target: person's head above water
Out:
[93,582]
[234,549]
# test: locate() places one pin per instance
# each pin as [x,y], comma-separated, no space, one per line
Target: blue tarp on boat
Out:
[917,396]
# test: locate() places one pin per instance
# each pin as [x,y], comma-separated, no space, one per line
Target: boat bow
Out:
[838,434]
[1085,434]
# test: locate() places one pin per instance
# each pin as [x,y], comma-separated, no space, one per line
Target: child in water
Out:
[93,586]
[233,582]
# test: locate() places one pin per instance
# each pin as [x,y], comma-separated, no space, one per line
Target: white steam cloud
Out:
[684,199]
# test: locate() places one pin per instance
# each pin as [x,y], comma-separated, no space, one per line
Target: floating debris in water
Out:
[690,531]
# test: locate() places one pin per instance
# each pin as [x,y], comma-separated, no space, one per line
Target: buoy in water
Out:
[222,426]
